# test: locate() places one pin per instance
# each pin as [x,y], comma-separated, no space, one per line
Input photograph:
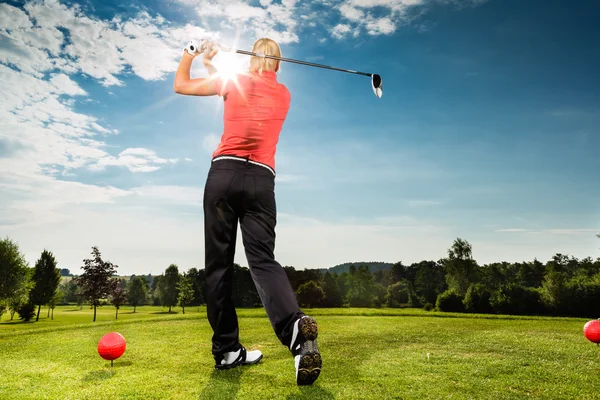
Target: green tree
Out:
[383,276]
[310,294]
[156,290]
[530,274]
[56,299]
[450,301]
[292,275]
[46,277]
[477,299]
[515,299]
[343,281]
[69,288]
[554,291]
[185,287]
[333,294]
[13,269]
[198,282]
[397,294]
[96,282]
[137,292]
[79,295]
[244,289]
[26,311]
[461,269]
[361,287]
[168,286]
[398,272]
[21,294]
[118,296]
[430,281]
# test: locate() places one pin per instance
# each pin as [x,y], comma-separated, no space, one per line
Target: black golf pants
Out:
[240,191]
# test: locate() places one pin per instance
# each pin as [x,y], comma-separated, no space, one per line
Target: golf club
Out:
[376,82]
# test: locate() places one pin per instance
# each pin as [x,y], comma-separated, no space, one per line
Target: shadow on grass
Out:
[313,391]
[164,312]
[222,384]
[17,322]
[105,373]
[121,364]
[99,375]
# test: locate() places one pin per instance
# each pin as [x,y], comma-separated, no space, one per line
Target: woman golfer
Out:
[240,188]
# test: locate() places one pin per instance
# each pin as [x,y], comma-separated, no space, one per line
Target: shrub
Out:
[517,300]
[397,294]
[310,294]
[554,292]
[477,299]
[26,311]
[582,298]
[450,301]
[380,295]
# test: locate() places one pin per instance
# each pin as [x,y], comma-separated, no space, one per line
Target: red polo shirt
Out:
[256,106]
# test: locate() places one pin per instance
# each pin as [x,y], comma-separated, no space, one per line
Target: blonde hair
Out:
[267,47]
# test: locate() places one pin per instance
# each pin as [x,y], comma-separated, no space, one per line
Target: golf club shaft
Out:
[249,53]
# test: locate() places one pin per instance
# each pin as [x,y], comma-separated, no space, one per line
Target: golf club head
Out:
[377,84]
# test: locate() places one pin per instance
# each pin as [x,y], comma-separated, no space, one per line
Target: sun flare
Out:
[228,66]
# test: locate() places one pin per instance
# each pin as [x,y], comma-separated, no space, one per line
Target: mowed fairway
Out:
[368,354]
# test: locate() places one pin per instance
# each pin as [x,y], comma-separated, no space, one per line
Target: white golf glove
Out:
[193,49]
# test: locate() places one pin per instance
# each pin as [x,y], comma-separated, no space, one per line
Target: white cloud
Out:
[350,12]
[275,20]
[339,31]
[379,26]
[34,199]
[383,17]
[50,139]
[136,160]
[64,85]
[99,48]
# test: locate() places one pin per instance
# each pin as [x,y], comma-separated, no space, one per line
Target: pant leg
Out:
[220,229]
[257,223]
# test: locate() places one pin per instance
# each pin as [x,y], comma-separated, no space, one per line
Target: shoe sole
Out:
[309,367]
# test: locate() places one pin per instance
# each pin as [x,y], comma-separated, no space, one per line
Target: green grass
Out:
[367,353]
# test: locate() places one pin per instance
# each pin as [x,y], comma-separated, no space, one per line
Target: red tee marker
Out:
[111,346]
[591,330]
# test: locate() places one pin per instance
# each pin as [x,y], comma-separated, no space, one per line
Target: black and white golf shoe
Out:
[303,346]
[239,357]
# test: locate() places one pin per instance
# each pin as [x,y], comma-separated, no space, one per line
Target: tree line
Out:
[562,286]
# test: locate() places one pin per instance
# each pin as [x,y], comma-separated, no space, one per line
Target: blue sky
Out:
[487,129]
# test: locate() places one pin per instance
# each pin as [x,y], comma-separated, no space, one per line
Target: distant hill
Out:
[373,266]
